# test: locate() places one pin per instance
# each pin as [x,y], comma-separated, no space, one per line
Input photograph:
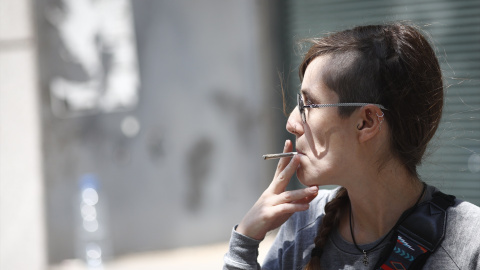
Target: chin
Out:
[311,180]
[306,181]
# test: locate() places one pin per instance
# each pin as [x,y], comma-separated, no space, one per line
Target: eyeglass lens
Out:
[301,107]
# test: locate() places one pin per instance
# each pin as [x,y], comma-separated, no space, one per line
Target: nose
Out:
[294,123]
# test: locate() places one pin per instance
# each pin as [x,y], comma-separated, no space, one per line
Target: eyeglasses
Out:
[302,106]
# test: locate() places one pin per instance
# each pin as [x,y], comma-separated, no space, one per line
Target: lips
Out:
[299,151]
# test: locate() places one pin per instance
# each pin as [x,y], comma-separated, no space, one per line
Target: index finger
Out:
[280,182]
[283,162]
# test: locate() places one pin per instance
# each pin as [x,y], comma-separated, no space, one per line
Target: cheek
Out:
[327,168]
[316,172]
[321,136]
[315,145]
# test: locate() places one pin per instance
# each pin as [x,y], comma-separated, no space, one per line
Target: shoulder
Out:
[463,221]
[461,246]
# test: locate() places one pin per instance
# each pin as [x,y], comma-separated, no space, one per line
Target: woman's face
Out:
[326,142]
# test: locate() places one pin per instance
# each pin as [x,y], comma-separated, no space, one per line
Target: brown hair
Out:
[393,65]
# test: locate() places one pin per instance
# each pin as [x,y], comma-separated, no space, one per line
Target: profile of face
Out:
[375,63]
[326,142]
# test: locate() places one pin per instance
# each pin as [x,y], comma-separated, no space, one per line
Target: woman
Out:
[371,150]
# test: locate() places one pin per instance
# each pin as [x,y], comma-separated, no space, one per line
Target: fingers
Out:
[290,208]
[290,202]
[280,182]
[300,196]
[276,205]
[272,210]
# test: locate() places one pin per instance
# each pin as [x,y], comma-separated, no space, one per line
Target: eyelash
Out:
[307,101]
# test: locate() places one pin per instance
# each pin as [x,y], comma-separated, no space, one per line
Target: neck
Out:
[377,203]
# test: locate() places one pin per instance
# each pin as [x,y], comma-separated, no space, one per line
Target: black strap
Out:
[418,235]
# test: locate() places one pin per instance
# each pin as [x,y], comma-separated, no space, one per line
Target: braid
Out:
[333,212]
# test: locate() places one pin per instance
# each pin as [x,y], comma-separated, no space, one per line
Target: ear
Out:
[370,121]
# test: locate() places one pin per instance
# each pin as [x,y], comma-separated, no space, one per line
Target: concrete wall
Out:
[22,229]
[209,107]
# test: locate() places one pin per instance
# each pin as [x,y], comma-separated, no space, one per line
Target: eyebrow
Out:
[305,93]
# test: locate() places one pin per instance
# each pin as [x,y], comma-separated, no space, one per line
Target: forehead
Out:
[313,85]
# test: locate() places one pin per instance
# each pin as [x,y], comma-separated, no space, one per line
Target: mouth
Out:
[300,152]
[299,148]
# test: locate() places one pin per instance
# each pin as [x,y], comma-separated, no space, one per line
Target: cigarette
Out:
[280,155]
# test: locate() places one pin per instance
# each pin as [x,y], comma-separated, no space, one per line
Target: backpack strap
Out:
[418,235]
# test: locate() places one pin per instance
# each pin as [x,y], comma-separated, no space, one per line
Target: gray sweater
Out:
[291,250]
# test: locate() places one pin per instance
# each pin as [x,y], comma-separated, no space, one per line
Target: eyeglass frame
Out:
[301,106]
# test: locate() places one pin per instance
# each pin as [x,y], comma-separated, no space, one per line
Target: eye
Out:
[308,101]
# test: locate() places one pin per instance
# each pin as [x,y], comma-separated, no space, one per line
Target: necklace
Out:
[405,215]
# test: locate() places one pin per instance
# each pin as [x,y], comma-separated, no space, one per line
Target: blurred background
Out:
[131,132]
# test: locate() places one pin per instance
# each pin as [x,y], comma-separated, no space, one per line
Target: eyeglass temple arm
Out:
[344,105]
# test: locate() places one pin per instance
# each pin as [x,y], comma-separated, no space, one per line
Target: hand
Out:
[276,205]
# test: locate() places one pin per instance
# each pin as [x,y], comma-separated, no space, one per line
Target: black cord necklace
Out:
[365,257]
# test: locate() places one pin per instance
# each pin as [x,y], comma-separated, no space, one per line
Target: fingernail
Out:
[286,143]
[313,189]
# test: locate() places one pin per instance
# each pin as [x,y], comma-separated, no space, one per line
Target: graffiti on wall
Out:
[98,38]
